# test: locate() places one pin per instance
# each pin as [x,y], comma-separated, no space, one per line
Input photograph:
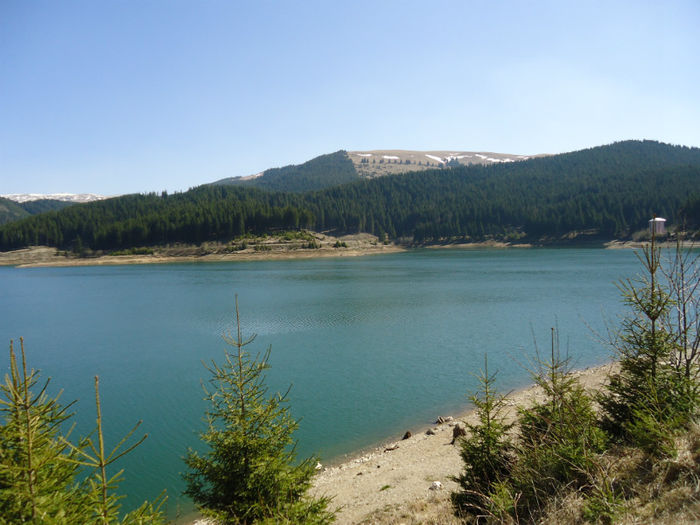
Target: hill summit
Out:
[341,167]
[375,163]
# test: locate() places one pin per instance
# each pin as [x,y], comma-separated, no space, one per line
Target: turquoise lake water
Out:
[373,346]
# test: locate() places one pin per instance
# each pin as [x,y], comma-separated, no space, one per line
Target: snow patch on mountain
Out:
[66,197]
[435,158]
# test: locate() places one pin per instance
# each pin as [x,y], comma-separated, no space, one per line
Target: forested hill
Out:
[342,167]
[612,190]
[12,211]
[321,172]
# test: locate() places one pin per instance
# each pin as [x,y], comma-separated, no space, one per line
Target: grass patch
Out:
[297,236]
[143,250]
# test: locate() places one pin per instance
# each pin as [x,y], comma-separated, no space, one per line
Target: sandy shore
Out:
[392,484]
[395,482]
[272,249]
[45,256]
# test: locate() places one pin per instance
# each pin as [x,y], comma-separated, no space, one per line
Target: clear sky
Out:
[126,96]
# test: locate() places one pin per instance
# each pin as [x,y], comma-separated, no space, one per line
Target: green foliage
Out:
[487,452]
[559,437]
[603,504]
[37,485]
[691,211]
[650,433]
[297,236]
[78,248]
[40,478]
[11,211]
[655,391]
[562,450]
[250,474]
[102,502]
[502,502]
[321,172]
[44,205]
[140,250]
[206,213]
[555,449]
[301,511]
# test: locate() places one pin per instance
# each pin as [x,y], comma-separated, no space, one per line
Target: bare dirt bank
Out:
[393,485]
[311,245]
[255,249]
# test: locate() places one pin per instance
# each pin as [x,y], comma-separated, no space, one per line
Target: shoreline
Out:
[261,249]
[386,484]
[390,481]
[18,261]
[358,245]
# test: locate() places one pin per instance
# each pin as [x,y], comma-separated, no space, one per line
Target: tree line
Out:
[612,190]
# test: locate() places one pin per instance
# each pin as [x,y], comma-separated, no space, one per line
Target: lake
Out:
[373,346]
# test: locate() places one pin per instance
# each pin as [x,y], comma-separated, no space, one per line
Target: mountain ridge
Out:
[309,175]
[378,163]
[609,190]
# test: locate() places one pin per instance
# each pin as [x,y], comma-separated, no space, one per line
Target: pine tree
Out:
[102,504]
[250,473]
[40,479]
[559,437]
[487,452]
[36,484]
[653,393]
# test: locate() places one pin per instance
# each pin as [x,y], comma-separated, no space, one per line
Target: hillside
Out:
[44,205]
[342,167]
[611,190]
[376,163]
[608,192]
[13,210]
[321,172]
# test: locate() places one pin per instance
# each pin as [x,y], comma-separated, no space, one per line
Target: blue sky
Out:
[118,97]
